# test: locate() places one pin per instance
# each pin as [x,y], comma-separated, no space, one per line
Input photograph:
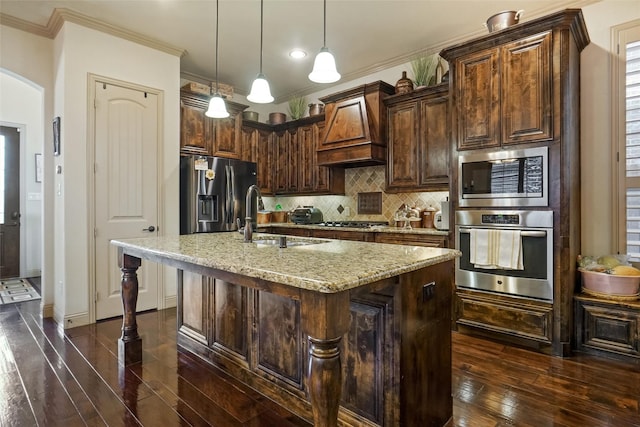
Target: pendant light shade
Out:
[324,67]
[217,108]
[260,91]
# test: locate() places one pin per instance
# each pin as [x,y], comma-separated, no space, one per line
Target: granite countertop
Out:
[374,229]
[327,266]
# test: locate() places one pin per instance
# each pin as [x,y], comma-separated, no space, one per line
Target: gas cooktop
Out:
[352,224]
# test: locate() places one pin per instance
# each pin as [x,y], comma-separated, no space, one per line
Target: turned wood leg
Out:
[325,381]
[130,343]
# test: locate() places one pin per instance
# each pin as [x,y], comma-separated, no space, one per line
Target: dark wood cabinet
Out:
[412,239]
[395,356]
[257,147]
[433,241]
[206,136]
[282,164]
[608,327]
[515,88]
[515,319]
[287,159]
[504,93]
[195,132]
[418,140]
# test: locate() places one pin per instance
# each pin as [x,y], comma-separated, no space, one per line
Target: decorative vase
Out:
[404,85]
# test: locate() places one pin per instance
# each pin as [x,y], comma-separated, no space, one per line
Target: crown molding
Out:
[62,15]
[21,24]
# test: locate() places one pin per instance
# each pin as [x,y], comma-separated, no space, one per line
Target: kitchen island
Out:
[374,320]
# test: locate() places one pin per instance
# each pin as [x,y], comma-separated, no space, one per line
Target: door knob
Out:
[15,215]
[151,228]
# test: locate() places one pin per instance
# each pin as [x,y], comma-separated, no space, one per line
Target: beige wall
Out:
[596,127]
[29,58]
[79,52]
[61,68]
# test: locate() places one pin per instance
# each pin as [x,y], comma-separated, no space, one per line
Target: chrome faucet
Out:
[248,220]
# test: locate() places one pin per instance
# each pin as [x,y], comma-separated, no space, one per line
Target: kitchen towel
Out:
[494,249]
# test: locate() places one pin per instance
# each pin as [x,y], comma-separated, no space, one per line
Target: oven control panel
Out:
[501,219]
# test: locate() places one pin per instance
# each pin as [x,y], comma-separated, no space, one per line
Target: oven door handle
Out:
[540,233]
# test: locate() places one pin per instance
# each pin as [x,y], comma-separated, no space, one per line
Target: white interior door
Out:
[126,189]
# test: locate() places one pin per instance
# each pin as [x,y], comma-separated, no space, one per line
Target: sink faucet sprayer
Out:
[248,220]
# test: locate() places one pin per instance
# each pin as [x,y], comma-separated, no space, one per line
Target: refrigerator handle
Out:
[228,196]
[232,193]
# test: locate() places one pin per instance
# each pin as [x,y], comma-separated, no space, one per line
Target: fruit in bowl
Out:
[609,276]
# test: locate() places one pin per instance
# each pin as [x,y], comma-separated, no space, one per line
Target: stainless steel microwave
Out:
[512,178]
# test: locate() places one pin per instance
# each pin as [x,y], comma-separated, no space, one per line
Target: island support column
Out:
[130,343]
[325,320]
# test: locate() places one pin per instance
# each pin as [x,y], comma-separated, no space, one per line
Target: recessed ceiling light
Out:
[297,53]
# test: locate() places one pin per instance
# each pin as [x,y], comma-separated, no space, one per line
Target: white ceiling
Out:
[364,35]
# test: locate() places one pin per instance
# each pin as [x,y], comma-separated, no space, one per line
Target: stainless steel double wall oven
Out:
[506,189]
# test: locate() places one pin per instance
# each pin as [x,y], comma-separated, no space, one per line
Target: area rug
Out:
[17,290]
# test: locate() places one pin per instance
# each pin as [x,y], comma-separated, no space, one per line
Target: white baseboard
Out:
[170,302]
[47,311]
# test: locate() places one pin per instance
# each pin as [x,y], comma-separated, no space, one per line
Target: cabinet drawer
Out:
[529,321]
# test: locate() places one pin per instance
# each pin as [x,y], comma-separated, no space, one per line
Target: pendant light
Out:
[217,108]
[324,67]
[260,92]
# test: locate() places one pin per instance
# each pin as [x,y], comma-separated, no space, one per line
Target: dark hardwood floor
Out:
[52,378]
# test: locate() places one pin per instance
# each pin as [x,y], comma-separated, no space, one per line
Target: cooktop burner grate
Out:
[353,224]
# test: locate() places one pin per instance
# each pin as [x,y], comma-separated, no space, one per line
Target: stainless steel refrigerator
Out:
[213,192]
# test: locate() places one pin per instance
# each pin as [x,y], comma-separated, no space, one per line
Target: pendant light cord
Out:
[217,14]
[324,40]
[261,30]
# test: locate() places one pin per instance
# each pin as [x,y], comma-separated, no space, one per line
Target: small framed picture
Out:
[56,136]
[38,167]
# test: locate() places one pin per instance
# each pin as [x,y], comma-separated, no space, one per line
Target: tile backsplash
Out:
[345,208]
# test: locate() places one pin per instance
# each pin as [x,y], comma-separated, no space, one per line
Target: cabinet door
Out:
[193,137]
[306,167]
[434,143]
[402,149]
[293,161]
[281,161]
[527,98]
[478,100]
[264,161]
[322,183]
[249,144]
[193,308]
[226,138]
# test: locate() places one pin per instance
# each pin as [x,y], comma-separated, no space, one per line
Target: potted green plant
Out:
[297,107]
[423,68]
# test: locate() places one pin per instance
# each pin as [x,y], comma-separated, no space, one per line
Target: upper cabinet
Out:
[287,159]
[355,133]
[418,140]
[206,136]
[506,87]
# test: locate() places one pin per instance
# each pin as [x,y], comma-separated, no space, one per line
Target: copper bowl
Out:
[250,115]
[315,109]
[503,20]
[277,118]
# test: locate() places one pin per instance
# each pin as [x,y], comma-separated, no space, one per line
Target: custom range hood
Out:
[355,127]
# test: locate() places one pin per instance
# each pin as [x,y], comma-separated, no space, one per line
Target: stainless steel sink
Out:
[271,241]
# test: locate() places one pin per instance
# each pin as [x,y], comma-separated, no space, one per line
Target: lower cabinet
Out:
[413,239]
[526,322]
[258,337]
[434,241]
[607,327]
